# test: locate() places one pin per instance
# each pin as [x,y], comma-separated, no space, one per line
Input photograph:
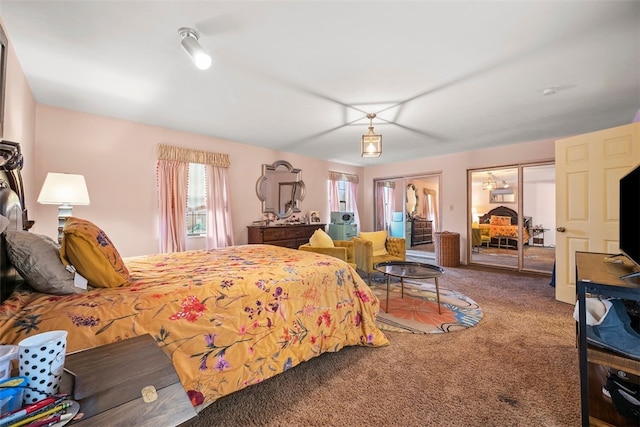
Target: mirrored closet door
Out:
[512,217]
[409,207]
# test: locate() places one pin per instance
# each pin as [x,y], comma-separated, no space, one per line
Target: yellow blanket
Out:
[227,318]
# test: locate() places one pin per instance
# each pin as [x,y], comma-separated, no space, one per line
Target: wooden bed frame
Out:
[500,211]
[11,207]
[505,211]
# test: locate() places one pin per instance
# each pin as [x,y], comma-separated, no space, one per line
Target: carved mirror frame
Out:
[280,189]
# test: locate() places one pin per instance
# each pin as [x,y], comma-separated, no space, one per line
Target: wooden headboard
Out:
[505,211]
[500,211]
[12,208]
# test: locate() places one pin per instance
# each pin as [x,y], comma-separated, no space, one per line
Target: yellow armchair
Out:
[485,234]
[365,260]
[343,249]
[480,235]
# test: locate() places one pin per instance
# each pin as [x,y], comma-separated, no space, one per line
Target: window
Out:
[343,193]
[196,200]
[342,196]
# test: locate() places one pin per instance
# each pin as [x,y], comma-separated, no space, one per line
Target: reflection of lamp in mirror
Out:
[63,189]
[490,183]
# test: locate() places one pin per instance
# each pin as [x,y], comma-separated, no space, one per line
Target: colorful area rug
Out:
[417,312]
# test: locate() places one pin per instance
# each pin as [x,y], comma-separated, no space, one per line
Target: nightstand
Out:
[129,382]
[537,234]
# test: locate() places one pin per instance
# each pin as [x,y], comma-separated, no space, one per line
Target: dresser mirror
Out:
[280,189]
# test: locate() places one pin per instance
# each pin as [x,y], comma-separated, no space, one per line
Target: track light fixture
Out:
[190,45]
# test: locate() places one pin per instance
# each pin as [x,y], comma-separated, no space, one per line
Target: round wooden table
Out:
[410,270]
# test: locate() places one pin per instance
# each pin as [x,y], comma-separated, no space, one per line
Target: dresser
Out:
[421,231]
[289,236]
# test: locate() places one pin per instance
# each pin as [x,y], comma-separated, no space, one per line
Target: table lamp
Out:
[64,190]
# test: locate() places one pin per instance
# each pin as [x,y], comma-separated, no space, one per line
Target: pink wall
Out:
[453,167]
[118,160]
[20,115]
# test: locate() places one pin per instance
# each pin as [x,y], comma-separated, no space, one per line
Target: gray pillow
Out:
[37,259]
[4,223]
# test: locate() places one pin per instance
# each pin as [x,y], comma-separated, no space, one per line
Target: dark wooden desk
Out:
[597,275]
[108,382]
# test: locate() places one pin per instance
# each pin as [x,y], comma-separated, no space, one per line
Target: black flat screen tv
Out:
[630,217]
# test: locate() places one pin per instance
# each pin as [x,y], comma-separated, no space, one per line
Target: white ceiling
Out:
[300,76]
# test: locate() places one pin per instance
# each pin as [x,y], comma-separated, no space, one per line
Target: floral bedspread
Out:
[505,231]
[228,318]
[509,231]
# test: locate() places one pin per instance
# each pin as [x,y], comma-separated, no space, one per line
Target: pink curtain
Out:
[334,196]
[172,196]
[430,207]
[352,194]
[385,204]
[380,207]
[219,225]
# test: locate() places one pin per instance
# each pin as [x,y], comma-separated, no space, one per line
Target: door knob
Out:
[561,229]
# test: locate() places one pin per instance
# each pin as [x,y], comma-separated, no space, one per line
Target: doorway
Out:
[512,217]
[409,207]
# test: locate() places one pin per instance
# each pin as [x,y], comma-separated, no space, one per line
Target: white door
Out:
[588,171]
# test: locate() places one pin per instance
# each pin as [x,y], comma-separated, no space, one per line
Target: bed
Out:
[500,225]
[227,318]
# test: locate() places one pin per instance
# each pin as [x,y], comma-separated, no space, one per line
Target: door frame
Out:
[404,180]
[519,194]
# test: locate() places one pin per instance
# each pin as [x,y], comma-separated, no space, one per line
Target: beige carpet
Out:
[517,367]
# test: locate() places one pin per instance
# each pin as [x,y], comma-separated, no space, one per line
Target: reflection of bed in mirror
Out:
[500,224]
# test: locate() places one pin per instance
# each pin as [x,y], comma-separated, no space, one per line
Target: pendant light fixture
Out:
[371,143]
[190,45]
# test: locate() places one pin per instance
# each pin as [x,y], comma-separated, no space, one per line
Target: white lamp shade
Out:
[64,188]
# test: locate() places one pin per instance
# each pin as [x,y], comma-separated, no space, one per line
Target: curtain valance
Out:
[343,176]
[388,184]
[180,154]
